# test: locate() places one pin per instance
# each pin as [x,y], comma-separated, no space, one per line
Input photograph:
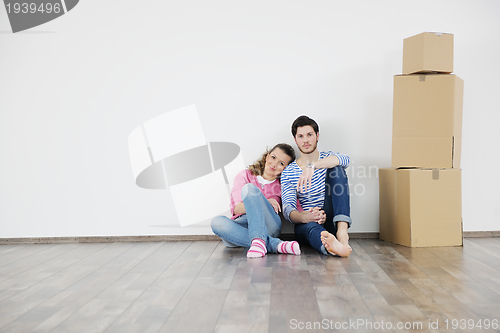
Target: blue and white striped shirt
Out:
[315,196]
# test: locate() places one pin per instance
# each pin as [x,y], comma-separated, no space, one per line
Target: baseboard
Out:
[187,238]
[363,235]
[478,234]
[155,238]
[108,239]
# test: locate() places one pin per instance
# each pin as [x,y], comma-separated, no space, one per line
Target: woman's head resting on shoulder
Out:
[272,162]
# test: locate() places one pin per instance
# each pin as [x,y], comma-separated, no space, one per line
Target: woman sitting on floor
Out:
[255,204]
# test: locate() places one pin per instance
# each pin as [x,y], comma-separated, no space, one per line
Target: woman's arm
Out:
[237,207]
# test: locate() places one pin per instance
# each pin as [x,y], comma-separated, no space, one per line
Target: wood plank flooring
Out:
[205,287]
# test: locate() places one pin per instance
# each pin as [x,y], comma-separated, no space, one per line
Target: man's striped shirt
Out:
[315,196]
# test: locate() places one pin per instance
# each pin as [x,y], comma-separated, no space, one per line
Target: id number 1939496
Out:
[25,8]
[470,324]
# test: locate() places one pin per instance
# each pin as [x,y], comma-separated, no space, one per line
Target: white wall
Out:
[73,89]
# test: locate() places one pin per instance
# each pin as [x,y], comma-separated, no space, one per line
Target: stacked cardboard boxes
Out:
[420,196]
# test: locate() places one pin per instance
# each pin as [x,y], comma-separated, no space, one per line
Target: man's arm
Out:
[332,161]
[326,163]
[323,163]
[288,195]
[289,199]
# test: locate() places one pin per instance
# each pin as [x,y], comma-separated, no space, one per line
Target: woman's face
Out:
[276,161]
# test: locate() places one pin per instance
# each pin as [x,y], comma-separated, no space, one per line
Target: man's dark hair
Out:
[304,121]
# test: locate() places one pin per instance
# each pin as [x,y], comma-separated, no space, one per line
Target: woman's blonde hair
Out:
[257,168]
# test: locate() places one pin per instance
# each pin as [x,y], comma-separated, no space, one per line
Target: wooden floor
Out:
[206,287]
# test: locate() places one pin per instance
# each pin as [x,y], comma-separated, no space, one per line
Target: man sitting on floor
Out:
[319,182]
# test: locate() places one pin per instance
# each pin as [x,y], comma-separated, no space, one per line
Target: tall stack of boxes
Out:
[420,195]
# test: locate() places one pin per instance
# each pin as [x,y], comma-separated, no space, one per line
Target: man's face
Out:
[306,139]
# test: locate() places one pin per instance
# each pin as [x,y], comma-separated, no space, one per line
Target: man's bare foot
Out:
[342,234]
[332,245]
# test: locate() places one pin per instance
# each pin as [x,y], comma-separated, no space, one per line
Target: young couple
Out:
[315,194]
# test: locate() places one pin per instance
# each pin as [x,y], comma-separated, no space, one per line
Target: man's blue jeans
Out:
[336,207]
[260,221]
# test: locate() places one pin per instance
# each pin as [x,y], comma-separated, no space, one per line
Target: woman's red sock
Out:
[258,249]
[289,248]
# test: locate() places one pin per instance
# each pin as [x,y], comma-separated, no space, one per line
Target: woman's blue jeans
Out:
[260,221]
[336,207]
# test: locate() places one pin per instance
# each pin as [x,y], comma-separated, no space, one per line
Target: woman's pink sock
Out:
[258,249]
[289,248]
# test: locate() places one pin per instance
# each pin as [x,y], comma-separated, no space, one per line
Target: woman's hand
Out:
[239,209]
[275,204]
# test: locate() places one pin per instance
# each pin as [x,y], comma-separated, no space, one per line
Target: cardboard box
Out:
[428,52]
[427,121]
[421,207]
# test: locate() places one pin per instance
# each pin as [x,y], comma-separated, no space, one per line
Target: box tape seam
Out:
[453,151]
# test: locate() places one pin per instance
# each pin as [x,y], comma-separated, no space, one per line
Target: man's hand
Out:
[319,215]
[305,180]
[275,204]
[314,214]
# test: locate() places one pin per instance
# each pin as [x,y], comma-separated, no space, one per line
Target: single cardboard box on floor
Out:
[421,207]
[428,52]
[427,121]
